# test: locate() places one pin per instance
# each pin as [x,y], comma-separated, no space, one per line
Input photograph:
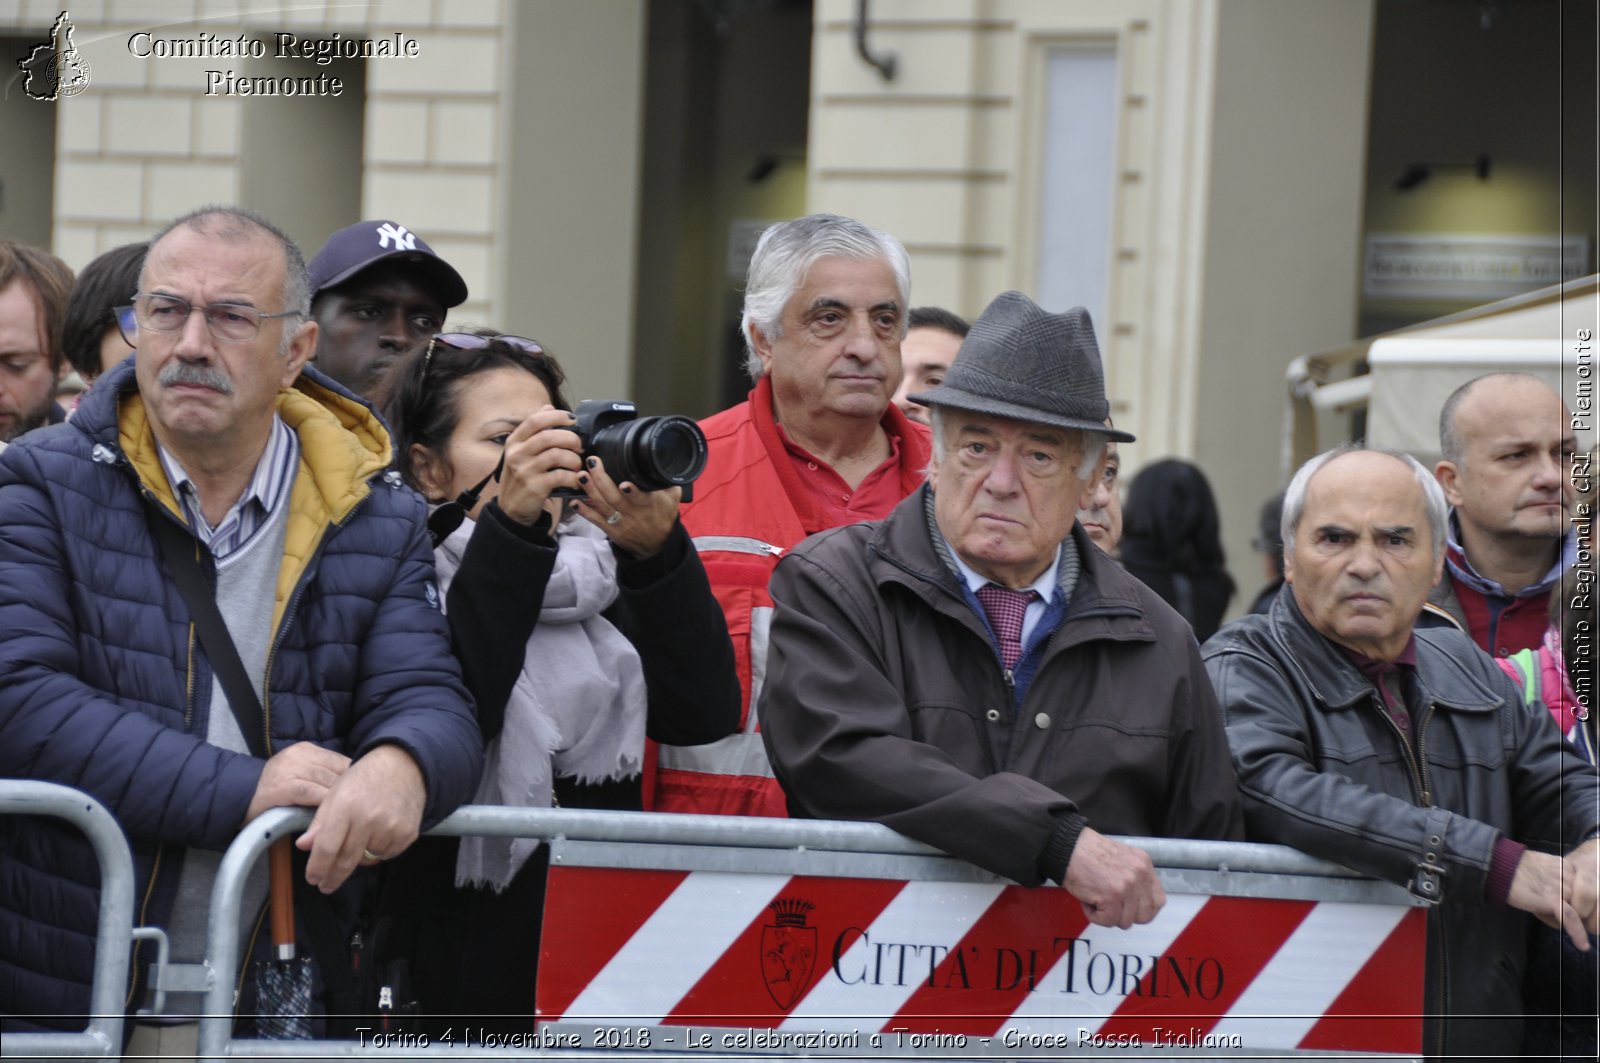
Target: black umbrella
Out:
[284,982]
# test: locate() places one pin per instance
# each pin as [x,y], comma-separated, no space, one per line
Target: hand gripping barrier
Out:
[102,1039]
[721,937]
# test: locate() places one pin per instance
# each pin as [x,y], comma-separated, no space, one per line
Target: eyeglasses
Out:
[469,341]
[127,323]
[229,322]
[446,518]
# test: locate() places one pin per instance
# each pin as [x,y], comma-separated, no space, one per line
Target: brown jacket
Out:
[885,700]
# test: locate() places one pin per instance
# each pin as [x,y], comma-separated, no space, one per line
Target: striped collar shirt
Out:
[1460,566]
[268,489]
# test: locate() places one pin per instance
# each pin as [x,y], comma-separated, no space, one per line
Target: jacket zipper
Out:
[1418,766]
[288,618]
[1418,781]
[1422,754]
[1444,942]
[266,675]
[135,976]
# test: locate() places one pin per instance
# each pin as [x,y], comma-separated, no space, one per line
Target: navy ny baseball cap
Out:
[366,243]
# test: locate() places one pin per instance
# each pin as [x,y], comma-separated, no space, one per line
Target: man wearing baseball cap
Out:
[973,673]
[377,288]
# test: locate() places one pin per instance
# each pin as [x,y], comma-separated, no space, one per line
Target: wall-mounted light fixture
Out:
[1419,172]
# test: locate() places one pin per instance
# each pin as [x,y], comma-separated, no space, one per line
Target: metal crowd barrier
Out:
[102,1039]
[585,1010]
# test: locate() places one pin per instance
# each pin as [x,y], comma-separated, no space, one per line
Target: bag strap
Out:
[181,552]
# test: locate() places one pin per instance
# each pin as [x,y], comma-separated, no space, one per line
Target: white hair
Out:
[1294,497]
[785,254]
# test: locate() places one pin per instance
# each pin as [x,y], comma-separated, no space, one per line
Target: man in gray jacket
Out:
[972,672]
[1404,752]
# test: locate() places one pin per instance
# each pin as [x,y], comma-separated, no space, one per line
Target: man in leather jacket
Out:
[1404,752]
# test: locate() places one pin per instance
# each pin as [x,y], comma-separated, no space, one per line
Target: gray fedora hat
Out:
[1026,364]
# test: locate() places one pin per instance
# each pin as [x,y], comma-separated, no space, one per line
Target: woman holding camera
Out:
[583,621]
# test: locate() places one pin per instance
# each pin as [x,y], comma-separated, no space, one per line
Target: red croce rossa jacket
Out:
[743,518]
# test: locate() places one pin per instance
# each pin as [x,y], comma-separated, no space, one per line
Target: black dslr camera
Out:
[652,452]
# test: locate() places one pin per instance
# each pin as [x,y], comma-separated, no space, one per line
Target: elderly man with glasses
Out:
[214,464]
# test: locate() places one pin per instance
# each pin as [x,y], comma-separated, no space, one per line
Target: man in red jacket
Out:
[816,445]
[1508,444]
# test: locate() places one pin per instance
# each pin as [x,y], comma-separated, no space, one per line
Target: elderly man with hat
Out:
[973,673]
[377,289]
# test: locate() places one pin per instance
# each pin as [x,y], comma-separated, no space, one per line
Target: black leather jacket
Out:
[1323,768]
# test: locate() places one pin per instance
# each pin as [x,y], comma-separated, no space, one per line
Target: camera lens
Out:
[673,448]
[652,452]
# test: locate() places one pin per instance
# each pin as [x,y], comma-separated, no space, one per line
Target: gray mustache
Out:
[199,375]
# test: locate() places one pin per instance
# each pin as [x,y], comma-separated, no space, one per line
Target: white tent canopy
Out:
[1412,371]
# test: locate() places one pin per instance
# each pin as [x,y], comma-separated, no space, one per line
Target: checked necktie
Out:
[1006,608]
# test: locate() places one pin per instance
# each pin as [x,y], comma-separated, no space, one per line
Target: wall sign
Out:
[1466,267]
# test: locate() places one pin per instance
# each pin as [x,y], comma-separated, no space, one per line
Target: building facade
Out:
[1207,176]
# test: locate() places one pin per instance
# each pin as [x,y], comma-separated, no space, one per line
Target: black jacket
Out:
[1200,596]
[1324,769]
[664,607]
[476,951]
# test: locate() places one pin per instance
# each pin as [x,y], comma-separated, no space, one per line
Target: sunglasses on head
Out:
[445,519]
[468,341]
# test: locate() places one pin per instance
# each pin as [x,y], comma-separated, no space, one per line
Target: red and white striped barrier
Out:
[802,964]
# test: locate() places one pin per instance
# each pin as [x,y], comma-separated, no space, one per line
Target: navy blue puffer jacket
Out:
[103,686]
